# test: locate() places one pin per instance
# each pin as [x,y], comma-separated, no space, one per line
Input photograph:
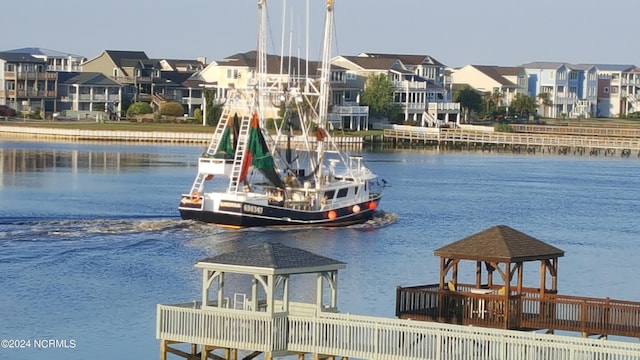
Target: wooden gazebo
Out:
[502,249]
[493,300]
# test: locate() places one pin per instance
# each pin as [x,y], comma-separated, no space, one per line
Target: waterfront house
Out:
[572,89]
[419,84]
[500,82]
[89,94]
[618,89]
[133,69]
[26,84]
[239,70]
[56,60]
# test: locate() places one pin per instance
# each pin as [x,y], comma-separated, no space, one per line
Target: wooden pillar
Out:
[543,278]
[507,294]
[520,277]
[163,349]
[442,272]
[478,274]
[554,275]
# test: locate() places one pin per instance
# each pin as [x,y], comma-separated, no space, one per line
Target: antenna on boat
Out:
[284,29]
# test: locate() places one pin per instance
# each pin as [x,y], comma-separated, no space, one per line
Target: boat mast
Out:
[323,99]
[325,73]
[261,59]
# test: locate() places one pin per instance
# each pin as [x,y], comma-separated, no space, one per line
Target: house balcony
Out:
[411,85]
[21,94]
[89,98]
[350,110]
[11,75]
[192,100]
[443,107]
[132,79]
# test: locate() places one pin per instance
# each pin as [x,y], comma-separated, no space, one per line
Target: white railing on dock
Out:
[483,137]
[374,338]
[256,331]
[140,136]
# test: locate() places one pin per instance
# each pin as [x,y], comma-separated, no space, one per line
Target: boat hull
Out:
[248,215]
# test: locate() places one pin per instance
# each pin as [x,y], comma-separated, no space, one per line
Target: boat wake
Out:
[380,219]
[72,229]
[41,230]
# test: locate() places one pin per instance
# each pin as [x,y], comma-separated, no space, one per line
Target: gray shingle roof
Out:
[374,63]
[20,58]
[86,78]
[42,51]
[499,243]
[496,74]
[119,55]
[248,59]
[274,256]
[408,59]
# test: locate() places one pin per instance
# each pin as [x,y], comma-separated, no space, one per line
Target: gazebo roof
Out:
[500,244]
[270,258]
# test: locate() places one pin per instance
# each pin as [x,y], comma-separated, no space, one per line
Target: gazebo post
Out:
[478,274]
[507,294]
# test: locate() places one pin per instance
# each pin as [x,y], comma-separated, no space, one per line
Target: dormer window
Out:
[115,72]
[138,72]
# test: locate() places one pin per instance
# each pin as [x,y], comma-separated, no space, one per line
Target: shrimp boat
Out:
[292,176]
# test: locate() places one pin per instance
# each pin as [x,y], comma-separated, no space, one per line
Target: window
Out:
[573,75]
[351,76]
[605,90]
[330,194]
[233,74]
[115,72]
[560,89]
[343,192]
[11,67]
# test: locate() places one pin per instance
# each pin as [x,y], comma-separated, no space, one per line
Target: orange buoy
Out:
[372,205]
[209,177]
[356,209]
[332,215]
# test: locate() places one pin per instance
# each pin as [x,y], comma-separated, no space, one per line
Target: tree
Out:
[524,104]
[496,99]
[545,100]
[172,108]
[213,107]
[378,95]
[469,99]
[138,109]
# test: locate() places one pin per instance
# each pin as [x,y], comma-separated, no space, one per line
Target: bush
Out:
[139,108]
[197,113]
[172,108]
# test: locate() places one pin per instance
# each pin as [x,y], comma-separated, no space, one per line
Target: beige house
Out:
[503,81]
[133,69]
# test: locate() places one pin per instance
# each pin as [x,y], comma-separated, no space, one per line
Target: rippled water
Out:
[91,241]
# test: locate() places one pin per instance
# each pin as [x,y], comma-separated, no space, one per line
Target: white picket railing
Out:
[374,338]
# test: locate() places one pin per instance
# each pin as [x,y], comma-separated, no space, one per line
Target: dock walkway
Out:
[367,337]
[560,141]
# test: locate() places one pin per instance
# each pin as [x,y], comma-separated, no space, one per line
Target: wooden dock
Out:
[267,323]
[527,311]
[560,140]
[337,335]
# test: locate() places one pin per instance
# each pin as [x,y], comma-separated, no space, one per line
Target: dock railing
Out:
[588,316]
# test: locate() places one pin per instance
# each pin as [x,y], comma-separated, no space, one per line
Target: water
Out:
[91,241]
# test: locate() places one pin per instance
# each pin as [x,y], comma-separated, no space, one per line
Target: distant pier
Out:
[537,139]
[139,136]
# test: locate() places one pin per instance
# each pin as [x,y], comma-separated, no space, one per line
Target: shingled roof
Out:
[271,258]
[501,244]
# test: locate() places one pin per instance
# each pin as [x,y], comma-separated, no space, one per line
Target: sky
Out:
[454,32]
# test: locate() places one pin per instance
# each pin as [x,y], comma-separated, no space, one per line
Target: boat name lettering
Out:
[252,209]
[228,204]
